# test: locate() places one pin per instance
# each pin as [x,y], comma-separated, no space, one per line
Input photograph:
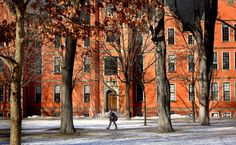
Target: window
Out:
[171,37]
[214,91]
[171,63]
[57,65]
[172,92]
[215,114]
[191,64]
[191,92]
[234,32]
[110,9]
[111,65]
[215,59]
[230,1]
[139,39]
[38,94]
[86,93]
[86,42]
[86,64]
[57,41]
[234,60]
[57,93]
[225,60]
[140,63]
[227,115]
[139,91]
[190,39]
[38,65]
[112,37]
[225,33]
[1,93]
[1,66]
[226,91]
[84,17]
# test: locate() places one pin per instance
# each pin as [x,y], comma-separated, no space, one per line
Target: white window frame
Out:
[84,89]
[168,36]
[194,89]
[174,92]
[223,60]
[54,92]
[218,115]
[171,57]
[229,91]
[222,32]
[216,59]
[54,64]
[217,91]
[224,115]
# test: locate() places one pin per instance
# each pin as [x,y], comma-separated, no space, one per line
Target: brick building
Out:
[98,87]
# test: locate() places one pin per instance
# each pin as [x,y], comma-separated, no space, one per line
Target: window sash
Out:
[171,39]
[225,33]
[57,64]
[225,60]
[1,65]
[215,59]
[86,93]
[172,92]
[111,65]
[190,39]
[1,93]
[226,91]
[57,41]
[214,91]
[191,92]
[191,64]
[171,65]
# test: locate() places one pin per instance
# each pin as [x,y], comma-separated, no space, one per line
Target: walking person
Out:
[113,118]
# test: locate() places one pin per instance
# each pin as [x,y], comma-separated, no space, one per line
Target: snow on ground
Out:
[44,131]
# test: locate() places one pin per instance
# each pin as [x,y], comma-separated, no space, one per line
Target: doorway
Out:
[111,101]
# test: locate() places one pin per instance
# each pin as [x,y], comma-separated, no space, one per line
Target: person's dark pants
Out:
[110,124]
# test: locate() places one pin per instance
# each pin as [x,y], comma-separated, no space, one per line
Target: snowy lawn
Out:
[44,131]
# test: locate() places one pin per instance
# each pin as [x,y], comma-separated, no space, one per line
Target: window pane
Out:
[171,39]
[172,92]
[191,92]
[214,64]
[1,93]
[190,39]
[86,64]
[86,93]
[86,42]
[225,60]
[171,60]
[1,66]
[38,93]
[225,32]
[57,41]
[226,89]
[57,65]
[214,91]
[191,64]
[57,93]
[111,65]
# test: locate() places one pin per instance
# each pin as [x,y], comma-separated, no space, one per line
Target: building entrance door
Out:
[111,101]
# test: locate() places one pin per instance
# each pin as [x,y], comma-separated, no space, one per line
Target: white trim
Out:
[194,92]
[84,93]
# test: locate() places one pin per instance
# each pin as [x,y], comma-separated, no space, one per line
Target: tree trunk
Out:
[67,126]
[205,53]
[163,91]
[16,75]
[127,95]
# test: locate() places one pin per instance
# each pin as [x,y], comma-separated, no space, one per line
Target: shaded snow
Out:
[93,132]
